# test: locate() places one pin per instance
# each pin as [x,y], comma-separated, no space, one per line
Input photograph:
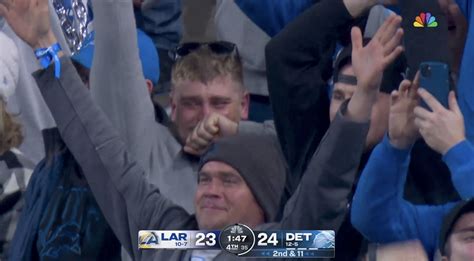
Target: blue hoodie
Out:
[379,210]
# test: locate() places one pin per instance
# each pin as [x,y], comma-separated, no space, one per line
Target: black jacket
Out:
[299,65]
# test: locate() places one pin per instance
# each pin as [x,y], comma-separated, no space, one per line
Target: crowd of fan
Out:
[297,115]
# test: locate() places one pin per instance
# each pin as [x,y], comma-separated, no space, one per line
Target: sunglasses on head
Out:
[220,47]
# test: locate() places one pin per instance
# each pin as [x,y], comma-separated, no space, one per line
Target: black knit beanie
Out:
[259,161]
[450,220]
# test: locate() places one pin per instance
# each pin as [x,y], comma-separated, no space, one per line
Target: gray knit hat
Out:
[258,159]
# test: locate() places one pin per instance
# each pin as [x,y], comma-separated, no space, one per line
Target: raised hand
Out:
[369,62]
[211,127]
[401,125]
[442,128]
[30,21]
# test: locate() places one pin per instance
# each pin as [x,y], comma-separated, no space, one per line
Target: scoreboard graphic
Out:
[242,241]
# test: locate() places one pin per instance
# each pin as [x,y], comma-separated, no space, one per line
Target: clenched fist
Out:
[211,127]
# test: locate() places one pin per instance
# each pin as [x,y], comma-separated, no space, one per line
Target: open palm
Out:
[28,18]
[370,61]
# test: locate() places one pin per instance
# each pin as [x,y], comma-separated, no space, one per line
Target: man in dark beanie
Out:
[251,170]
[456,241]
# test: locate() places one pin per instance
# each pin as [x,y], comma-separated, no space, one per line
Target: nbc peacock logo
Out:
[425,20]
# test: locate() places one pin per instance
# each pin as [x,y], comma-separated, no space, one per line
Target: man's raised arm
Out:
[117,82]
[320,201]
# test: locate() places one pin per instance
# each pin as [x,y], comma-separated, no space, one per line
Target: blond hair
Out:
[10,130]
[204,66]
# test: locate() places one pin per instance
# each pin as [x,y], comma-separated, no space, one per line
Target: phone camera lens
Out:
[426,71]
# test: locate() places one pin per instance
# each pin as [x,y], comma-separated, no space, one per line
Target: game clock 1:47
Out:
[237,239]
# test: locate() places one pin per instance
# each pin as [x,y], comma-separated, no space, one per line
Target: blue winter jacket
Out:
[381,214]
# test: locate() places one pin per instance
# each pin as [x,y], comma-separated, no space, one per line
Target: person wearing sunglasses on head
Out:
[208,100]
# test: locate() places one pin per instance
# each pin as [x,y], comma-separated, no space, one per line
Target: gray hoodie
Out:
[118,87]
